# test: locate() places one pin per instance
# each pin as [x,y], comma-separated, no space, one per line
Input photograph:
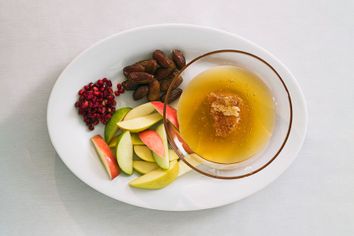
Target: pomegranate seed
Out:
[107,116]
[84,105]
[105,93]
[81,92]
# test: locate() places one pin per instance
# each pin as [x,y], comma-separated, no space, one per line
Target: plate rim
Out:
[301,97]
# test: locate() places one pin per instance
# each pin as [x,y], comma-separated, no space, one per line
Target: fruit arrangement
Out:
[135,140]
[151,78]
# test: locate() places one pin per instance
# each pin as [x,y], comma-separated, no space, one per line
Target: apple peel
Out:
[171,113]
[153,141]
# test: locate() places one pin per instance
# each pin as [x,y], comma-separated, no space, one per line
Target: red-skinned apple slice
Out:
[106,156]
[153,141]
[171,113]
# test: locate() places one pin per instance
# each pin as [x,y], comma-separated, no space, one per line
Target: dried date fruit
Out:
[174,94]
[162,59]
[178,58]
[141,92]
[163,73]
[133,68]
[140,77]
[154,91]
[129,85]
[150,66]
[165,84]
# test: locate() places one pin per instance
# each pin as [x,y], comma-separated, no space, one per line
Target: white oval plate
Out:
[106,59]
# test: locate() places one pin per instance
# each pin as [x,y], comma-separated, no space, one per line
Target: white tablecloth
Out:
[40,196]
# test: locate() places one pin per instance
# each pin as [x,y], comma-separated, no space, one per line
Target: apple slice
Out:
[136,140]
[106,156]
[157,178]
[142,110]
[162,160]
[171,113]
[111,127]
[184,168]
[144,153]
[173,155]
[114,142]
[144,167]
[125,153]
[153,141]
[139,124]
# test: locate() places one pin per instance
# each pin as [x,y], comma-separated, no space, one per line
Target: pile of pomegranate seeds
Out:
[96,102]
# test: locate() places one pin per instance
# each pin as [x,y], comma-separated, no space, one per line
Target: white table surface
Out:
[40,196]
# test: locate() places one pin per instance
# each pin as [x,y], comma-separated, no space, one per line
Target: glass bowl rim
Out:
[176,149]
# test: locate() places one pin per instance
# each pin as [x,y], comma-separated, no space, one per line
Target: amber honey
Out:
[245,123]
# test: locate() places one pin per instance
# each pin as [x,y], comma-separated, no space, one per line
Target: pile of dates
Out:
[152,78]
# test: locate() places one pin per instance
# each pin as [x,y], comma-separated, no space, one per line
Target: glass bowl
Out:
[283,115]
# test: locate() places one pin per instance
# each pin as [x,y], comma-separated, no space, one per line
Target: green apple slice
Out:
[139,111]
[111,127]
[139,124]
[144,167]
[144,153]
[114,142]
[162,161]
[157,178]
[125,153]
[136,140]
[173,155]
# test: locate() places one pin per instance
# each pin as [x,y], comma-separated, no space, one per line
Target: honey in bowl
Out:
[226,114]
